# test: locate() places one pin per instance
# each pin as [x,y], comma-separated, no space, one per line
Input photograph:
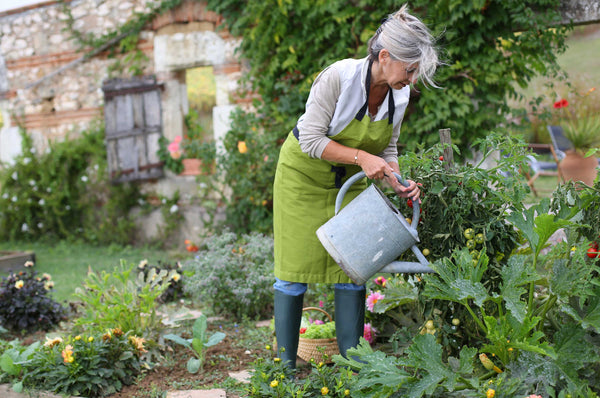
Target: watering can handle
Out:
[361,174]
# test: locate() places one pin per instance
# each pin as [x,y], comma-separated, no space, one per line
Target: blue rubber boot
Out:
[288,314]
[349,318]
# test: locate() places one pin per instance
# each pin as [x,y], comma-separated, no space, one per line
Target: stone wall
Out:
[47,87]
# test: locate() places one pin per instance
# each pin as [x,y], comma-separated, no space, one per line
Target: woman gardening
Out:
[351,123]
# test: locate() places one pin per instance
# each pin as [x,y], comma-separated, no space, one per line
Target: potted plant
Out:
[582,128]
[191,154]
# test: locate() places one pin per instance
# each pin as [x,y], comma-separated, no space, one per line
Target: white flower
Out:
[143,264]
[5,196]
[48,189]
[42,202]
[174,209]
[28,264]
[40,225]
[31,182]
[24,228]
[14,175]
[164,201]
[48,150]
[68,207]
[14,199]
[26,160]
[95,167]
[32,150]
[84,178]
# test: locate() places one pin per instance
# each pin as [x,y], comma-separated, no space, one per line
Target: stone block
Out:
[214,393]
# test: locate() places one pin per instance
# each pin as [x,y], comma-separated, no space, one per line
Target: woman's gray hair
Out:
[407,39]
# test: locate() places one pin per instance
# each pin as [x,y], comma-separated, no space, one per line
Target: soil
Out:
[171,375]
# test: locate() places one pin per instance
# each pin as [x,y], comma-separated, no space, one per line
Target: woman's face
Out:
[397,74]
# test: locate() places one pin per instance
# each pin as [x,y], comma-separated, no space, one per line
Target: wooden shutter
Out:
[133,124]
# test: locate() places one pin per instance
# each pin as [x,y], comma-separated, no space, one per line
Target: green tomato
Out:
[474,254]
[469,233]
[479,238]
[455,321]
[471,244]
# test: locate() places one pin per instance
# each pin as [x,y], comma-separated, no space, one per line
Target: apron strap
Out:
[340,172]
[391,106]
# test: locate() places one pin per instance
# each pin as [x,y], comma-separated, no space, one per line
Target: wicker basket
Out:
[317,348]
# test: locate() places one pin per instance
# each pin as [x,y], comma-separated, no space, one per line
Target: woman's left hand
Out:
[411,191]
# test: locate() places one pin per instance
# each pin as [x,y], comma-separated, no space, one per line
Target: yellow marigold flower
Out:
[242,146]
[268,347]
[510,349]
[490,393]
[276,359]
[324,391]
[138,343]
[320,365]
[67,354]
[274,383]
[346,392]
[78,337]
[19,284]
[91,338]
[52,342]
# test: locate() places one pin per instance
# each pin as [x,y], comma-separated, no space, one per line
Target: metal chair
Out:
[542,168]
[559,141]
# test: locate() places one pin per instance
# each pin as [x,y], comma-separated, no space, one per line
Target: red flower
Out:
[563,103]
[302,330]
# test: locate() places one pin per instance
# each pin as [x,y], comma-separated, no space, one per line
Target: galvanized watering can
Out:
[370,233]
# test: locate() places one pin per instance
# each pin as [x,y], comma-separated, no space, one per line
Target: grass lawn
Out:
[69,262]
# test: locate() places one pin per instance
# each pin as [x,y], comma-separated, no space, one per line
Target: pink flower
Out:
[370,333]
[318,322]
[177,139]
[373,298]
[380,280]
[534,396]
[321,303]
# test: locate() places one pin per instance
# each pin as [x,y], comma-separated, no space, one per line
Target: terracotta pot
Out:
[576,167]
[194,167]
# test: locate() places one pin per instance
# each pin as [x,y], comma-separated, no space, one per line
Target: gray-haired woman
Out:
[352,123]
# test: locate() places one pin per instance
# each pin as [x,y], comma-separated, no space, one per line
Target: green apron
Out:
[304,195]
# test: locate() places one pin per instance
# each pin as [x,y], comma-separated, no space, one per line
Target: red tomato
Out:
[441,158]
[593,253]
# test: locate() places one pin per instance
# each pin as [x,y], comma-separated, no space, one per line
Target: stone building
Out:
[51,90]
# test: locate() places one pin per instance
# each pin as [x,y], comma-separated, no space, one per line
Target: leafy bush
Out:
[116,299]
[272,378]
[26,304]
[65,193]
[93,365]
[489,48]
[233,275]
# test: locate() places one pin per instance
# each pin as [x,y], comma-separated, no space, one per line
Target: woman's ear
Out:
[384,56]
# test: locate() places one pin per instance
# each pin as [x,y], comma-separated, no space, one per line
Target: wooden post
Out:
[447,145]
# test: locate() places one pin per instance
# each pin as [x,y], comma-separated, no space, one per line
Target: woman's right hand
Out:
[374,167]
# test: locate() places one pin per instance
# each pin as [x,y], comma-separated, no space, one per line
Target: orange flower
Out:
[67,354]
[242,146]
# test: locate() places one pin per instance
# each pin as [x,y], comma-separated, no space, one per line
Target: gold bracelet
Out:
[356,156]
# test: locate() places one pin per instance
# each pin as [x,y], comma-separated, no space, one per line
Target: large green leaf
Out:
[199,328]
[193,365]
[215,339]
[515,274]
[178,340]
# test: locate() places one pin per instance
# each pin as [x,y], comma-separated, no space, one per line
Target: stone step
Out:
[214,393]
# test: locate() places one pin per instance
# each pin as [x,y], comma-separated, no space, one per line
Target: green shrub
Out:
[26,304]
[233,275]
[116,299]
[93,365]
[65,193]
